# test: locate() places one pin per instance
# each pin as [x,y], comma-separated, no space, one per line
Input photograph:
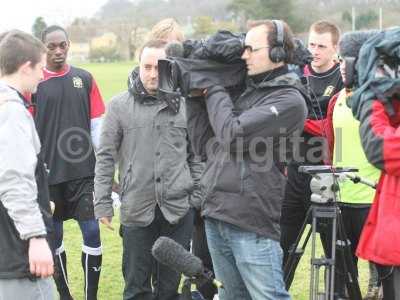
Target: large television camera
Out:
[196,65]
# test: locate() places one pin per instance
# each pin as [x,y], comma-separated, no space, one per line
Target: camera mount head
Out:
[324,184]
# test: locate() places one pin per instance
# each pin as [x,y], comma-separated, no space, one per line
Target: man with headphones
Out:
[247,141]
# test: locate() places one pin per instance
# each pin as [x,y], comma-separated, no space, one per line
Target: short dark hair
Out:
[288,41]
[323,26]
[157,44]
[51,29]
[17,48]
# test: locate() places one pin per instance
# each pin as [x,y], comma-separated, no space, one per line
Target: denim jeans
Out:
[248,265]
[140,272]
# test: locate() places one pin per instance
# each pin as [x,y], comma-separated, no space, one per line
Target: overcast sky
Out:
[21,14]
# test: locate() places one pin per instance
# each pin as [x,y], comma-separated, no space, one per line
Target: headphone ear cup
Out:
[277,54]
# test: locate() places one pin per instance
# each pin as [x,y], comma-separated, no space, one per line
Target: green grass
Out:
[111,281]
[112,78]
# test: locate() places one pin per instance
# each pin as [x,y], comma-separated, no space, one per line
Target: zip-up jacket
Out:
[149,144]
[21,218]
[380,136]
[246,142]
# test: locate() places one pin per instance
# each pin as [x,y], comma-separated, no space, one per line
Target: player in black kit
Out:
[68,117]
[323,80]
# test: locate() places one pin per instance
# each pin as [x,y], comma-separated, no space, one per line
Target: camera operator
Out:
[380,136]
[243,181]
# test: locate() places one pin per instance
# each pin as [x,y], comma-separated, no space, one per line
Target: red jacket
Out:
[324,128]
[380,135]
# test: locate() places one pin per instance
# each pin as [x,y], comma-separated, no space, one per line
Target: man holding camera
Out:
[148,141]
[243,139]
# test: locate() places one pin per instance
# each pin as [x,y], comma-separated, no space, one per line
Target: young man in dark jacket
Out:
[26,261]
[246,142]
[322,80]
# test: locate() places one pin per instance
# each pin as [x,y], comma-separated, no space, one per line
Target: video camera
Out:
[196,65]
[375,55]
[215,61]
[385,67]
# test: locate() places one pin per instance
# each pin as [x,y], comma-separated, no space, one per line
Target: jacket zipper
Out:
[242,172]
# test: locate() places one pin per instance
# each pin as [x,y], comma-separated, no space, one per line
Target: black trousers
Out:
[200,249]
[390,278]
[138,262]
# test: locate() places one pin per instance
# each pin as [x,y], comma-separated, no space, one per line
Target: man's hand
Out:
[107,221]
[40,258]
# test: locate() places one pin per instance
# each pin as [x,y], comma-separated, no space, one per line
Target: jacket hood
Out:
[8,94]
[136,88]
[288,79]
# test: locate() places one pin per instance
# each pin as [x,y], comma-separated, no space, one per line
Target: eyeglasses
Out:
[250,49]
[54,46]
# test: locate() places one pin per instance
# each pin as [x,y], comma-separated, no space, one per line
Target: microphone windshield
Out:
[174,49]
[167,252]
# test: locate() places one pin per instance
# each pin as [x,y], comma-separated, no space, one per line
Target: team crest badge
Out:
[78,83]
[329,90]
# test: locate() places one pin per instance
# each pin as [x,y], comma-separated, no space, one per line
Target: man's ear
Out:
[336,48]
[26,68]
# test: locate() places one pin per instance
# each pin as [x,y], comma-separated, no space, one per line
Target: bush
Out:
[104,54]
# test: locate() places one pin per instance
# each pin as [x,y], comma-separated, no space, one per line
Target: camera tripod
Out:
[324,207]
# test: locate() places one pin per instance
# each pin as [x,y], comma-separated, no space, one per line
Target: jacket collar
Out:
[136,88]
[269,75]
[7,93]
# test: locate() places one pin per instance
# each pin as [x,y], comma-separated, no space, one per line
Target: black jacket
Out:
[14,260]
[240,139]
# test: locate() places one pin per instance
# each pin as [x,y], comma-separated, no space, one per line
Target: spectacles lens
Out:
[247,48]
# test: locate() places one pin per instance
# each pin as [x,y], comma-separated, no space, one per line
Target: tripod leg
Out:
[347,262]
[296,253]
[314,267]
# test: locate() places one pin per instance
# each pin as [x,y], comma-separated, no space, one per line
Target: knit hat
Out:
[351,42]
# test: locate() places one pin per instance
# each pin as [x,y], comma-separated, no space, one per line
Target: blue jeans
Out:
[249,265]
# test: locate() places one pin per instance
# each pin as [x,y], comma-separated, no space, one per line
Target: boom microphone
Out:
[167,252]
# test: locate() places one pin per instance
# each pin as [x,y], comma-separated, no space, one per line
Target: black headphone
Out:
[277,53]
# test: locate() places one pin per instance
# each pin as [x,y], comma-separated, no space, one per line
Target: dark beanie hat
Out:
[351,42]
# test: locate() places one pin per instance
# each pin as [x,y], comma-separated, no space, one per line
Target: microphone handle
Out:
[357,179]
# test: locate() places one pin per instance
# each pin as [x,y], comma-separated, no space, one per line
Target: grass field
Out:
[112,79]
